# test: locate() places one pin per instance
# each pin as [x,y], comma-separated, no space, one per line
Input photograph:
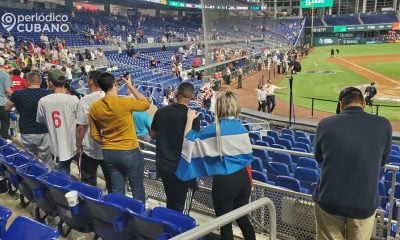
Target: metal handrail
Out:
[208,227]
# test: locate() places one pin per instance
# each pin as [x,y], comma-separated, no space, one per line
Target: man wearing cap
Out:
[351,153]
[5,90]
[58,112]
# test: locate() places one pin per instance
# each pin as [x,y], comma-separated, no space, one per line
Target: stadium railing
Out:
[209,226]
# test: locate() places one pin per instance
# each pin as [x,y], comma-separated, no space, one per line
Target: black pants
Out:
[179,193]
[5,123]
[271,103]
[230,192]
[89,171]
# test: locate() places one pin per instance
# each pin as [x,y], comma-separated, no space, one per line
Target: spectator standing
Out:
[262,98]
[227,157]
[332,52]
[89,151]
[111,125]
[142,122]
[270,90]
[351,153]
[34,136]
[58,112]
[369,94]
[17,81]
[240,77]
[227,76]
[5,90]
[168,128]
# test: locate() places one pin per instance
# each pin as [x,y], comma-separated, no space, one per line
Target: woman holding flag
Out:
[222,150]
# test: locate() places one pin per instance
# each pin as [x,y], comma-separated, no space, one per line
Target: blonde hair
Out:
[226,105]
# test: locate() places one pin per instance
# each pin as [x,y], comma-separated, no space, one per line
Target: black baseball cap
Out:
[348,92]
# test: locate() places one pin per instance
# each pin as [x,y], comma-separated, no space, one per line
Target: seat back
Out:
[298,134]
[5,214]
[307,162]
[285,142]
[182,221]
[259,176]
[32,186]
[303,146]
[270,140]
[151,228]
[255,136]
[304,140]
[307,176]
[257,164]
[126,202]
[287,131]
[262,143]
[24,228]
[110,220]
[288,137]
[283,158]
[261,154]
[288,182]
[275,169]
[273,134]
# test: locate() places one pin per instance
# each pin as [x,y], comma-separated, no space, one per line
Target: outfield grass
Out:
[391,69]
[327,86]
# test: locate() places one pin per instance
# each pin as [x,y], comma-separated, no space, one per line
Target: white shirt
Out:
[68,73]
[261,95]
[58,112]
[90,147]
[271,89]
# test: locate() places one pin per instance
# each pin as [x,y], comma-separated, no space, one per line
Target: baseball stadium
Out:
[199,119]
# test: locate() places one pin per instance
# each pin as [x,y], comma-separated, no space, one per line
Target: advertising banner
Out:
[316,3]
[323,41]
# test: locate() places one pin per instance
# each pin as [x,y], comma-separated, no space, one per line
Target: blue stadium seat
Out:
[290,183]
[288,137]
[308,162]
[395,160]
[262,143]
[109,219]
[262,154]
[302,146]
[257,164]
[32,178]
[270,140]
[304,140]
[279,146]
[285,142]
[287,131]
[306,176]
[5,214]
[255,136]
[24,228]
[383,198]
[284,158]
[275,169]
[273,134]
[182,221]
[261,177]
[300,134]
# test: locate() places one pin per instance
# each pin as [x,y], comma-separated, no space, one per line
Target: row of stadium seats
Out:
[111,216]
[23,228]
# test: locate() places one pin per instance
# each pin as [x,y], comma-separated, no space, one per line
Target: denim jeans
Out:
[122,165]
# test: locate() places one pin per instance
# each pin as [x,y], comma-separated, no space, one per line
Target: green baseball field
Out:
[323,77]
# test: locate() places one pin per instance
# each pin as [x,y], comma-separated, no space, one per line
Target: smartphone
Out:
[126,74]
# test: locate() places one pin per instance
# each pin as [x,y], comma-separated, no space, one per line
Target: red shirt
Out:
[18,83]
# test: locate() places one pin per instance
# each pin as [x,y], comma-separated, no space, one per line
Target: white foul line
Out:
[366,69]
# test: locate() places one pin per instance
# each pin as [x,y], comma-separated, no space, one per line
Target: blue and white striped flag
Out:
[201,156]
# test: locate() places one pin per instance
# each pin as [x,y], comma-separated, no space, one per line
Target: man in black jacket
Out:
[351,147]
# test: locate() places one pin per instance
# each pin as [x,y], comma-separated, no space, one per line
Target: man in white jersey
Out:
[89,151]
[58,112]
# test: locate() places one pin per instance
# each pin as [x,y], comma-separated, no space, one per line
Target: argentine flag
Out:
[201,156]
